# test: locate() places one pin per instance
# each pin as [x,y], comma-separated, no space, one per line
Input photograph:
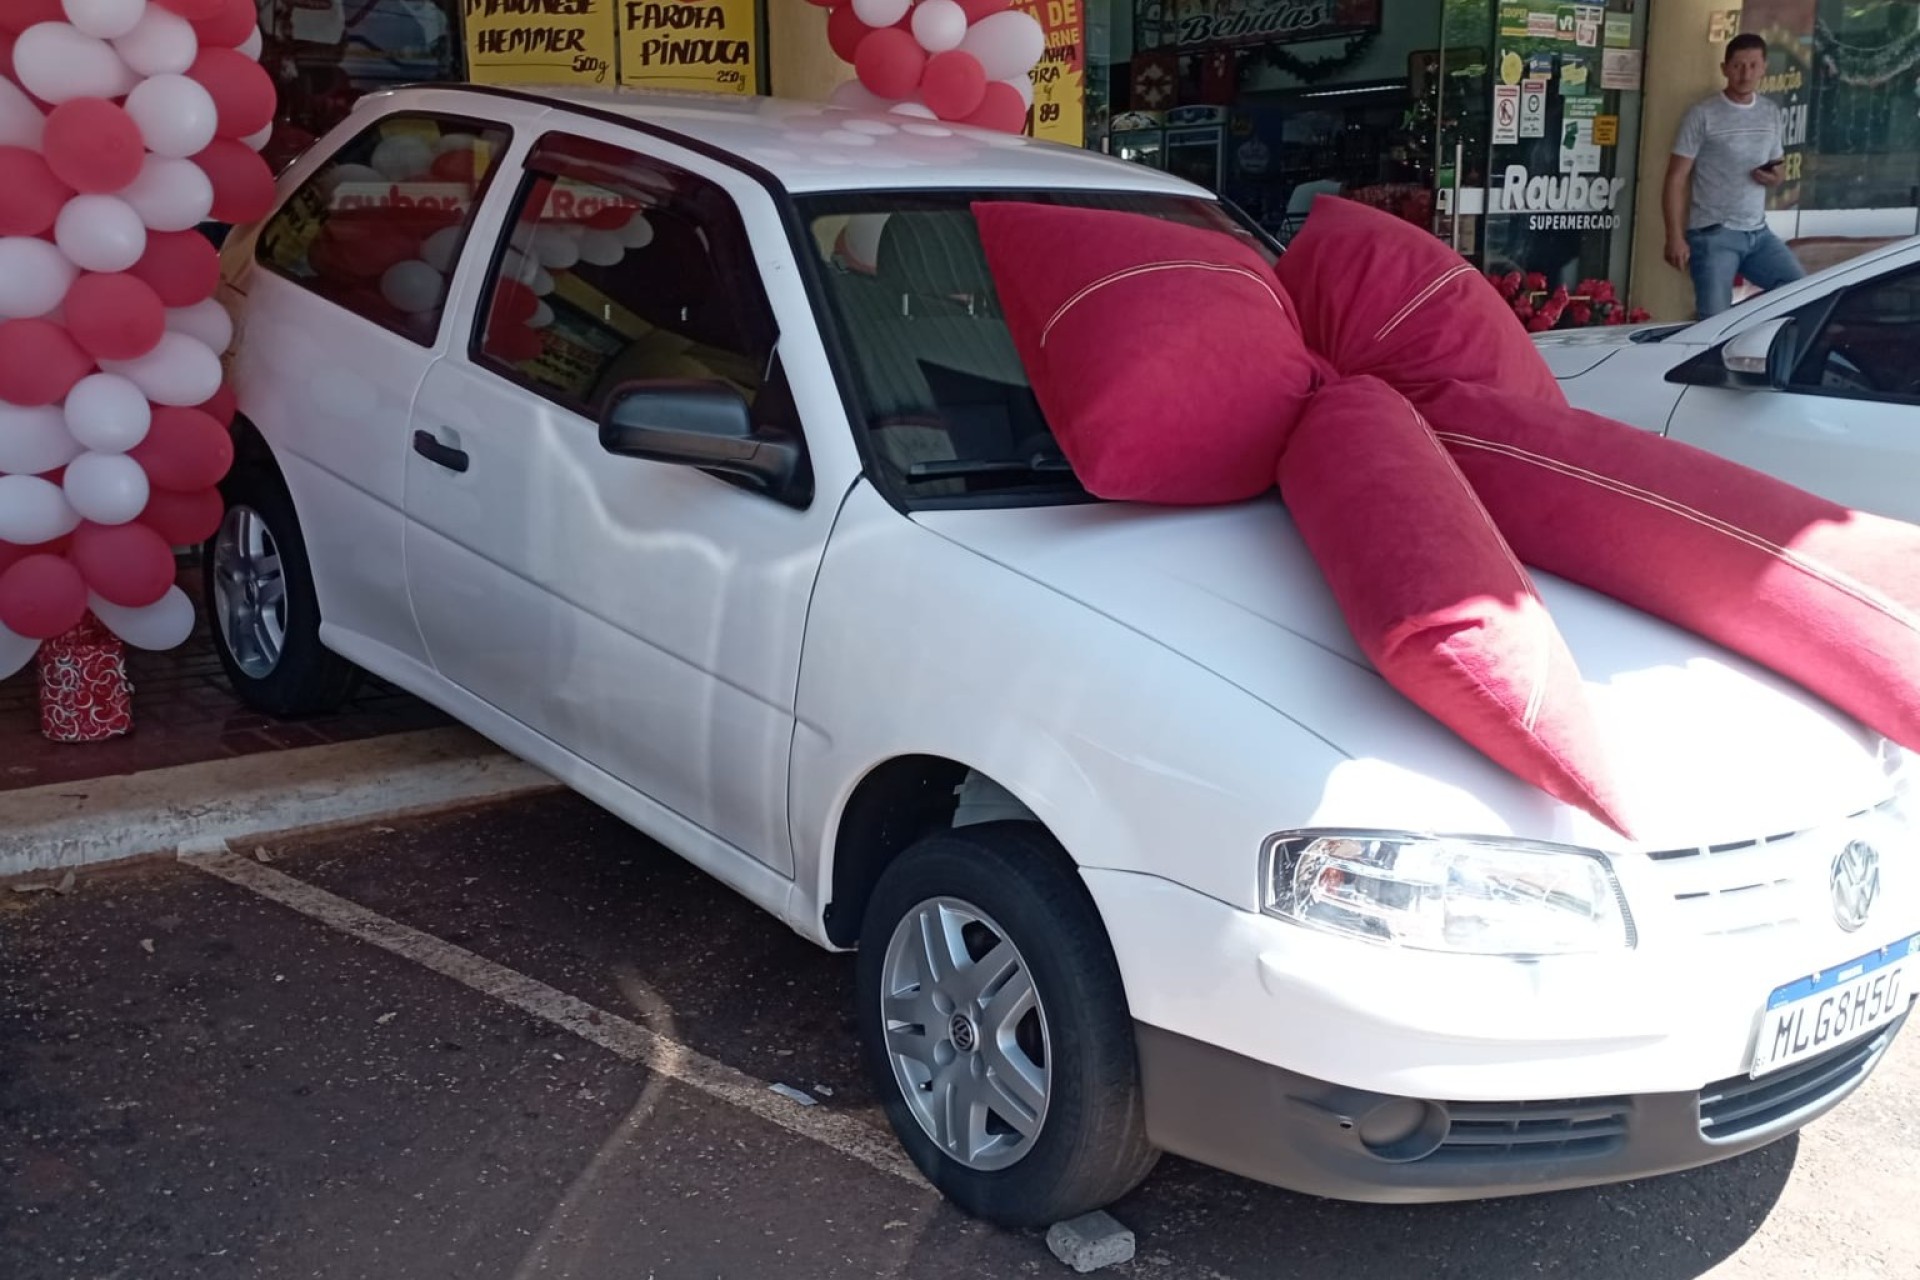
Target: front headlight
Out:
[1447,893]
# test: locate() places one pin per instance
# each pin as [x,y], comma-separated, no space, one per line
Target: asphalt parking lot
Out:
[521,1041]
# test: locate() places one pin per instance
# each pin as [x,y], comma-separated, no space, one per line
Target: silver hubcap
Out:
[250,592]
[966,1033]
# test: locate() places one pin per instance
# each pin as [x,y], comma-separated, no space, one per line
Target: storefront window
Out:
[1862,131]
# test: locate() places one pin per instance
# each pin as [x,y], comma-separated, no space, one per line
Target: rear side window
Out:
[379,227]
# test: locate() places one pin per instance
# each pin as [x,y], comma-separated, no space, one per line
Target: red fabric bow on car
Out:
[1425,452]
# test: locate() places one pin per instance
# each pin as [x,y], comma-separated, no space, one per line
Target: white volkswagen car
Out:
[1817,382]
[679,447]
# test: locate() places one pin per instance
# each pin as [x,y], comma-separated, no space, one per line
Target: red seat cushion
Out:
[1828,597]
[1382,296]
[1165,357]
[1434,597]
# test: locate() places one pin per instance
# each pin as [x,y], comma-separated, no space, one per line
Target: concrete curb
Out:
[198,806]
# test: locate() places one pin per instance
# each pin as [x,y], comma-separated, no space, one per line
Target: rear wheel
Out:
[996,1027]
[265,616]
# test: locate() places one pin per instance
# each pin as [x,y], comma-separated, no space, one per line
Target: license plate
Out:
[1806,1018]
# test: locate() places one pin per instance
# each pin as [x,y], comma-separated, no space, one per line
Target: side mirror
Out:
[697,424]
[1762,355]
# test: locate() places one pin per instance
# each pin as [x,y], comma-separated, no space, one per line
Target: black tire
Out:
[304,678]
[1091,1145]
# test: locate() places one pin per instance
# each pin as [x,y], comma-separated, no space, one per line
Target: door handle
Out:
[428,446]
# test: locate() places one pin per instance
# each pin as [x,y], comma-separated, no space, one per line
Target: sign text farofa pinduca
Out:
[652,15]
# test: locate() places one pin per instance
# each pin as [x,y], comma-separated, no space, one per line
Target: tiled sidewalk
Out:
[184,712]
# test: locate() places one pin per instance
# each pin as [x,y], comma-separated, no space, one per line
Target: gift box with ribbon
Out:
[85,695]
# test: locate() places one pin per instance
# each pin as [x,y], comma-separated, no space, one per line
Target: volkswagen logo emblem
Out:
[1855,883]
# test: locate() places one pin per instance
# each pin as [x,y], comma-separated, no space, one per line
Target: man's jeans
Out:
[1720,253]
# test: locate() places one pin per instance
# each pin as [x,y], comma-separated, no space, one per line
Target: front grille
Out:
[1753,887]
[1734,1108]
[1487,1132]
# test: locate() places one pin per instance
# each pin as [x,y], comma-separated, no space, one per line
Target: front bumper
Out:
[1277,1126]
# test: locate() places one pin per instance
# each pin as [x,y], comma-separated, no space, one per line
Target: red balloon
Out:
[93,145]
[230,26]
[182,266]
[242,90]
[1001,108]
[845,31]
[223,407]
[184,451]
[115,317]
[39,363]
[978,9]
[242,182]
[125,564]
[609,217]
[513,303]
[31,196]
[184,519]
[454,166]
[12,553]
[192,10]
[42,596]
[515,343]
[953,85]
[827,4]
[364,244]
[889,63]
[17,15]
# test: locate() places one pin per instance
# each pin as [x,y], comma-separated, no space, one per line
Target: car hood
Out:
[1572,352]
[1706,746]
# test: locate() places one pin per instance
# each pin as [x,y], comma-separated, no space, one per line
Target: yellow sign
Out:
[1060,77]
[689,44]
[540,41]
[1606,130]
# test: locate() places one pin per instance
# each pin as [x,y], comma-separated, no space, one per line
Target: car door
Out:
[342,320]
[644,618]
[1845,423]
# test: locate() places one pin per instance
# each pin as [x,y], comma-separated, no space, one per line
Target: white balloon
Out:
[881,13]
[33,510]
[402,156]
[412,286]
[441,248]
[862,237]
[252,45]
[107,414]
[855,96]
[177,117]
[939,25]
[602,248]
[162,43]
[181,371]
[34,277]
[170,194]
[1008,44]
[542,316]
[454,142]
[33,440]
[543,282]
[1022,85]
[343,174]
[55,63]
[258,141]
[16,651]
[100,233]
[638,233]
[164,624]
[104,19]
[206,320]
[555,250]
[910,108]
[107,488]
[21,123]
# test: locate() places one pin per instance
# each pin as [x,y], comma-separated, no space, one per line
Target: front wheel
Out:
[996,1027]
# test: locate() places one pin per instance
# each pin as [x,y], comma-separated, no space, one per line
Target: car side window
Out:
[380,226]
[1869,342]
[619,269]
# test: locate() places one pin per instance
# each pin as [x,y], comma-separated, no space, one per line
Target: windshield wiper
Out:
[963,468]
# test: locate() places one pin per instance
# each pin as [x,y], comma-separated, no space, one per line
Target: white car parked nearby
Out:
[678,446]
[1817,382]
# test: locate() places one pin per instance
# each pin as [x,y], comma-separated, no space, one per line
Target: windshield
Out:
[941,396]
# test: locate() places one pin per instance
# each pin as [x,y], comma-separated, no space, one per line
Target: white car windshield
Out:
[943,400]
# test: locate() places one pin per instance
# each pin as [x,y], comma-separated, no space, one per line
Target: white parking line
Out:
[630,1040]
[665,1057]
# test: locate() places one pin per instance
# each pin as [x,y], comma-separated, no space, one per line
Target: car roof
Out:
[813,146]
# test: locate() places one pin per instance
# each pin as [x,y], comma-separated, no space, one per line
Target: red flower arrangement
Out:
[1591,302]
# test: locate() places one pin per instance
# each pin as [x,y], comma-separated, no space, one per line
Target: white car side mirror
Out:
[1756,352]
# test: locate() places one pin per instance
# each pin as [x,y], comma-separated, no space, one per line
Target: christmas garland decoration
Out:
[1867,67]
[1312,70]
